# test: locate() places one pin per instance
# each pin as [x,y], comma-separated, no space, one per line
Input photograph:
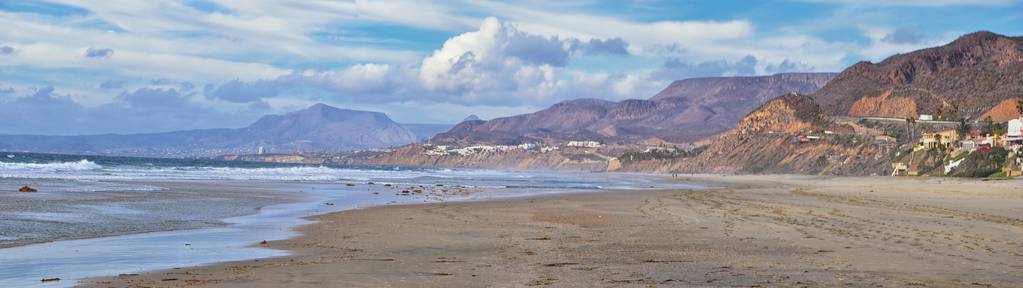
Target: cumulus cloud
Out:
[498,61]
[488,56]
[6,50]
[99,52]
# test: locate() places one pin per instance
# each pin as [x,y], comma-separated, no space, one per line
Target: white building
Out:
[1015,128]
[585,144]
[527,146]
[926,117]
[969,145]
[260,151]
[546,149]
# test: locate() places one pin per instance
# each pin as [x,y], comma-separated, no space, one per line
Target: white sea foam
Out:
[80,165]
[88,170]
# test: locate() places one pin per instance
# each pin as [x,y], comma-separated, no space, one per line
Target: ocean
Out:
[98,215]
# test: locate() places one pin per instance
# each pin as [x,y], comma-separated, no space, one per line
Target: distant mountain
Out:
[687,110]
[472,117]
[975,76]
[319,128]
[761,88]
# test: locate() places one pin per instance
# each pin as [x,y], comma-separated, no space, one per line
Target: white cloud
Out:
[639,34]
[497,63]
[138,63]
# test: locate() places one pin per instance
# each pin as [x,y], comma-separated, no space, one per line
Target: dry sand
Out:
[760,231]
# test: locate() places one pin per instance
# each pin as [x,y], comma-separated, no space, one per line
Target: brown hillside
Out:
[975,73]
[764,142]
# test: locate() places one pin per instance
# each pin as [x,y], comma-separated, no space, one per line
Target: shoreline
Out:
[555,239]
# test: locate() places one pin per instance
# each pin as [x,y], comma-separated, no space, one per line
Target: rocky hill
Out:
[767,141]
[315,129]
[687,110]
[975,76]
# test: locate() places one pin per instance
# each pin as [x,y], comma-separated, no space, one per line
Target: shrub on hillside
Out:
[982,163]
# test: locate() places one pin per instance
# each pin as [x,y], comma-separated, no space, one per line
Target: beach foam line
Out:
[80,165]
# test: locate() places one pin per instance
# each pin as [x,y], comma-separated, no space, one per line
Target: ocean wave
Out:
[81,165]
[86,170]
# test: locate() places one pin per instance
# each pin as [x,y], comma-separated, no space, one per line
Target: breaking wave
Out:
[81,165]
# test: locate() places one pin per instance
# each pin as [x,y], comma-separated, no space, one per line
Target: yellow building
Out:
[930,140]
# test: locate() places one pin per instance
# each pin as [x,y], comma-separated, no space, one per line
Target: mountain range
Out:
[318,128]
[687,110]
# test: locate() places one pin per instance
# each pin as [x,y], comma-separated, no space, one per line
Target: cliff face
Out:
[973,74]
[687,110]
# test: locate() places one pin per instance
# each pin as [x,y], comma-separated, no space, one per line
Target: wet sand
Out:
[759,231]
[55,214]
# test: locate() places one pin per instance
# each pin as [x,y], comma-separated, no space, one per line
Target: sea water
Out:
[103,216]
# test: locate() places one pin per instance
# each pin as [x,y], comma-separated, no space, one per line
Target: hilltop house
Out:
[930,140]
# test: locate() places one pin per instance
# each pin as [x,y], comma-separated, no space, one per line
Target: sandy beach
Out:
[757,231]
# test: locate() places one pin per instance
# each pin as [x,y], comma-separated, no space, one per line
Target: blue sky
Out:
[82,67]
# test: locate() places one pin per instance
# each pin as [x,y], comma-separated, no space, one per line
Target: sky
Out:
[71,67]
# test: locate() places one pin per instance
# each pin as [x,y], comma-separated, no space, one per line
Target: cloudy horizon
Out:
[150,66]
